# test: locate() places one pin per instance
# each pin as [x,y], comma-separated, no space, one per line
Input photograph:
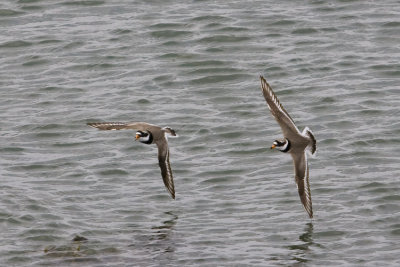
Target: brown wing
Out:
[163,160]
[281,116]
[120,125]
[302,181]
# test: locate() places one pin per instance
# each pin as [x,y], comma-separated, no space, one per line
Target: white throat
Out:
[144,138]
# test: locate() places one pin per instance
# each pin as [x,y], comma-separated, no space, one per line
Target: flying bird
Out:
[148,134]
[294,142]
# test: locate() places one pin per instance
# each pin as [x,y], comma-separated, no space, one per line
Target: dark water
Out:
[195,66]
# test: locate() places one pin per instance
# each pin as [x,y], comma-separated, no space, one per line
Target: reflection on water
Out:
[157,242]
[301,250]
[164,231]
[306,237]
[160,240]
[68,250]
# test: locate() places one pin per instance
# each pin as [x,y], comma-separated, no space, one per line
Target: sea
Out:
[71,195]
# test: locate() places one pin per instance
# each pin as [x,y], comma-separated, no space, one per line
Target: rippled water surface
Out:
[195,66]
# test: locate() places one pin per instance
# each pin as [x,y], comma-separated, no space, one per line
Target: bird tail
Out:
[169,131]
[312,146]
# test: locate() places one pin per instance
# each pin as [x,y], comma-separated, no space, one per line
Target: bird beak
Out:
[137,137]
[273,146]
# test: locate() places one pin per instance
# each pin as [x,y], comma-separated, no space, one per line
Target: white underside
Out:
[144,138]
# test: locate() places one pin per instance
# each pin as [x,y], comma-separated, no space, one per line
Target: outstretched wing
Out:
[163,161]
[159,138]
[302,181]
[119,125]
[281,116]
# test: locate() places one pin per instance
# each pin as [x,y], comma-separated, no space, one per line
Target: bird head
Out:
[144,137]
[280,144]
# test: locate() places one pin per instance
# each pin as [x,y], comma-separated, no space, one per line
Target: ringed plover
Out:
[294,142]
[148,134]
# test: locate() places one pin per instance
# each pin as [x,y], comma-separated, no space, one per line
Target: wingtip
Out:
[171,192]
[264,83]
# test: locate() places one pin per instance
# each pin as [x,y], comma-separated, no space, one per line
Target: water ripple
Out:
[195,67]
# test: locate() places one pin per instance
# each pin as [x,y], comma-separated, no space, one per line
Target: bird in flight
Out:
[295,143]
[148,134]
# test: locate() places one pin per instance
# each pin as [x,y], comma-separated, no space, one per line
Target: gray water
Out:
[194,66]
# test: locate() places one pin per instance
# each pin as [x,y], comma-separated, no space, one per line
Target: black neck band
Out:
[148,142]
[287,148]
